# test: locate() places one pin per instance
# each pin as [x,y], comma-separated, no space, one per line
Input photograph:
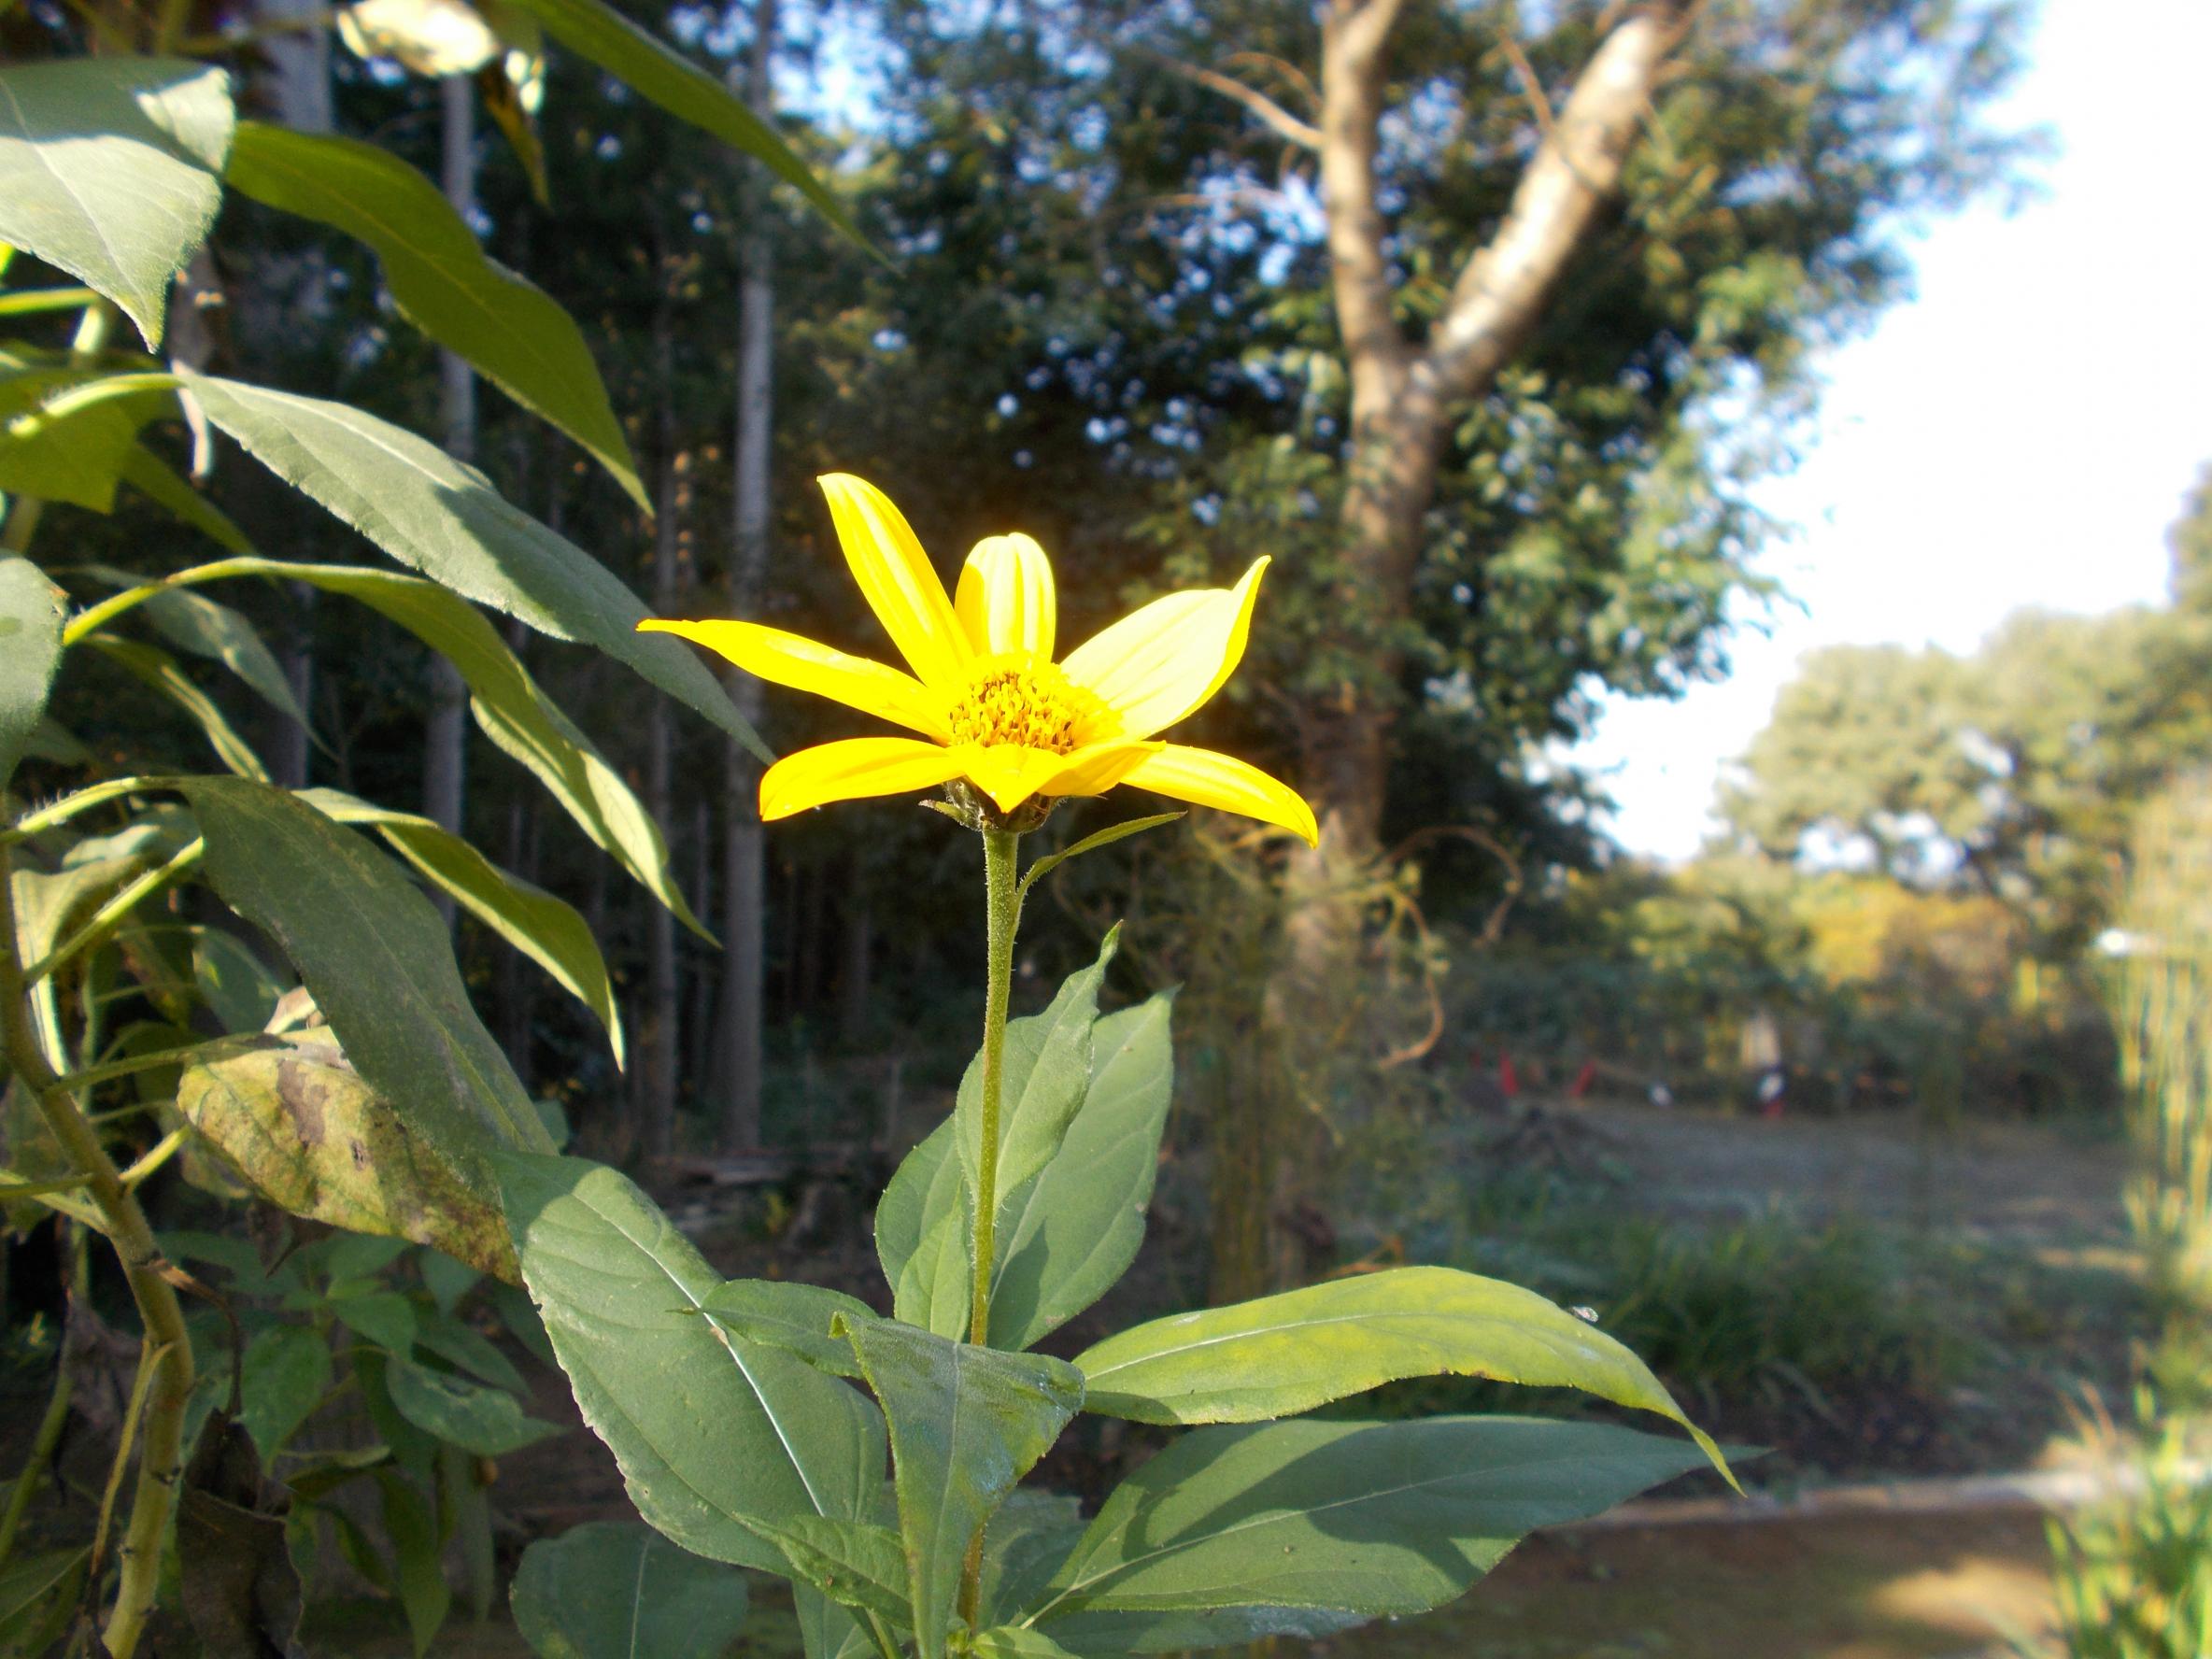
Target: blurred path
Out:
[1999,1179]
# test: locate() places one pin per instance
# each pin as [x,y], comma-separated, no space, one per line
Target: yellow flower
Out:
[986,695]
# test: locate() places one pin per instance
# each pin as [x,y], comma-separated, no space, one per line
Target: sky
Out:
[2020,433]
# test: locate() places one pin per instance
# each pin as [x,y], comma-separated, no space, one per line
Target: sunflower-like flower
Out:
[990,703]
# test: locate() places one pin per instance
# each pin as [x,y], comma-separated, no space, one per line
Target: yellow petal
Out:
[1005,598]
[1208,779]
[808,665]
[1010,773]
[853,769]
[1096,768]
[899,582]
[1157,664]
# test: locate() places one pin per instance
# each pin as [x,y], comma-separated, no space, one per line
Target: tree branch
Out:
[1352,40]
[1279,119]
[1502,289]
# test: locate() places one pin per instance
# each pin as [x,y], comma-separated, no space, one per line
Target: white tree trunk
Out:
[744,934]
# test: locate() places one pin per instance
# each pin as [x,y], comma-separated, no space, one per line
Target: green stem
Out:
[42,1452]
[62,811]
[168,1347]
[110,916]
[1002,902]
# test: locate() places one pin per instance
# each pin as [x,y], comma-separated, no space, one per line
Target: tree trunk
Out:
[445,760]
[744,935]
[1404,400]
[660,1022]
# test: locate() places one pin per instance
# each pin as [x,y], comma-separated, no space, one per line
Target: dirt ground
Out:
[2013,1182]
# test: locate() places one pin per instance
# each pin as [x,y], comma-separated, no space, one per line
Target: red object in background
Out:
[1583,1079]
[1509,1080]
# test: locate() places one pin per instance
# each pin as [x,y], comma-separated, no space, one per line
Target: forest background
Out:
[1107,317]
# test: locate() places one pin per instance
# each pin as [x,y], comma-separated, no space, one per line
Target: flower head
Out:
[990,703]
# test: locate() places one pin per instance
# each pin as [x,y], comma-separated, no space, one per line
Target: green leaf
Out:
[308,1134]
[283,1378]
[237,985]
[827,1630]
[512,710]
[1013,1641]
[37,1595]
[1067,1236]
[1091,844]
[922,1237]
[462,1345]
[156,667]
[419,1552]
[383,1317]
[155,479]
[485,1421]
[1024,1545]
[32,612]
[379,964]
[715,1436]
[854,1563]
[1306,1527]
[1047,1066]
[550,931]
[110,169]
[966,1422]
[200,627]
[443,519]
[615,1590]
[656,70]
[1284,1354]
[794,1317]
[70,426]
[522,340]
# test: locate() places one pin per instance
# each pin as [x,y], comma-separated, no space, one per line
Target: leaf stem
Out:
[168,1351]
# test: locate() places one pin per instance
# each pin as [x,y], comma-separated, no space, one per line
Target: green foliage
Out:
[614,1590]
[1303,1528]
[2161,1005]
[441,517]
[621,1293]
[1287,1354]
[110,169]
[370,1095]
[522,340]
[31,626]
[1772,1310]
[2015,773]
[2132,1573]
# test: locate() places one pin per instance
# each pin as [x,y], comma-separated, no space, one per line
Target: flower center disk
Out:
[1031,705]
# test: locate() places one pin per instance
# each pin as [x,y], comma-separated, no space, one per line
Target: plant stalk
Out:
[161,1455]
[1003,904]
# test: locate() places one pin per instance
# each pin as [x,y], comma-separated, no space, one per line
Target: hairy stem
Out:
[1002,902]
[167,1345]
